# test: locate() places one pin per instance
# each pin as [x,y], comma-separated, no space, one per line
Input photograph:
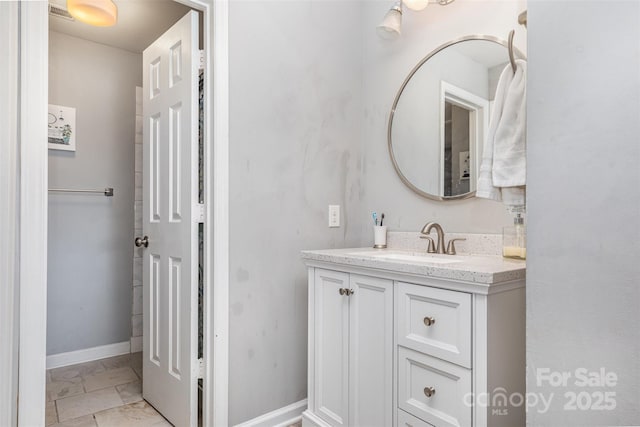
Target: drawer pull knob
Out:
[429,391]
[428,321]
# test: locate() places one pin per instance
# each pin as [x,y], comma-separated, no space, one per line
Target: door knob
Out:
[342,291]
[428,321]
[142,241]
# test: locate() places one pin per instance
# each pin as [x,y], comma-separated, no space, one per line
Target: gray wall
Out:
[385,66]
[90,251]
[295,135]
[583,274]
[311,87]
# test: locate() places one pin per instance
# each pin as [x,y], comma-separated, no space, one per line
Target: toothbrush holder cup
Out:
[380,236]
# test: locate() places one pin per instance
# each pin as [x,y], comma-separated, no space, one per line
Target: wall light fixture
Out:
[391,25]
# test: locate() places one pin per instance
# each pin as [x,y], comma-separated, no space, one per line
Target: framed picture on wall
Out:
[62,128]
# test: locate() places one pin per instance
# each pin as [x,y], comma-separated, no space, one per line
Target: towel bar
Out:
[108,192]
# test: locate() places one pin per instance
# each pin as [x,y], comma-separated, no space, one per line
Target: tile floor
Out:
[102,393]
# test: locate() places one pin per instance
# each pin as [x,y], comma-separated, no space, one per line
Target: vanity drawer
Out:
[407,420]
[435,321]
[449,385]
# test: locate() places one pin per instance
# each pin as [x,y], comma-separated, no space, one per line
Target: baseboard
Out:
[88,354]
[136,344]
[309,419]
[282,417]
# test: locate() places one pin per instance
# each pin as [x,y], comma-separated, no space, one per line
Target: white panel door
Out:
[370,352]
[332,346]
[170,278]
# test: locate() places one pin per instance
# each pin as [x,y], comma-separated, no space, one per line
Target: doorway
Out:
[93,77]
[31,382]
[463,128]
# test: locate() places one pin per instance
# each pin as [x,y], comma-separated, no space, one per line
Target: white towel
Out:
[503,171]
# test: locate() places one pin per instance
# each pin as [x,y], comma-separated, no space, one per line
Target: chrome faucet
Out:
[426,230]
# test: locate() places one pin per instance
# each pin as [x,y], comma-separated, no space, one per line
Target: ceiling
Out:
[140,22]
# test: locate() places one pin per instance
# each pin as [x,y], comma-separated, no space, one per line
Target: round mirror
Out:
[440,116]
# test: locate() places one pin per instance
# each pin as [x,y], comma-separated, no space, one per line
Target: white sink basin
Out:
[418,258]
[411,257]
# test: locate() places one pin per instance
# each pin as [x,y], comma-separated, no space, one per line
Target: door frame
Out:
[478,108]
[9,220]
[31,204]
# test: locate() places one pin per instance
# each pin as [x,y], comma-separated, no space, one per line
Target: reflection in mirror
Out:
[456,170]
[440,117]
[465,122]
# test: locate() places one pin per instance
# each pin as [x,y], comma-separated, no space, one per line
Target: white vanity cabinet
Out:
[433,328]
[351,352]
[391,344]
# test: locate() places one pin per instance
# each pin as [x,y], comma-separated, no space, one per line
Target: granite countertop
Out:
[486,269]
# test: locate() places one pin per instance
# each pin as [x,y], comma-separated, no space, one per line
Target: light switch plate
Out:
[334,216]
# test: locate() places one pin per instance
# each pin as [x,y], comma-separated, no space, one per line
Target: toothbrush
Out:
[375,218]
[382,220]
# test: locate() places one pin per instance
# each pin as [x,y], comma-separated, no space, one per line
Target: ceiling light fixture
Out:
[99,13]
[416,5]
[391,25]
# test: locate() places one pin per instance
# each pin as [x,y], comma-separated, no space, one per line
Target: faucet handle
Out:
[451,247]
[431,249]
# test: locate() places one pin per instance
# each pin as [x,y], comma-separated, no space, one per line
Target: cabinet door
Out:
[371,352]
[331,323]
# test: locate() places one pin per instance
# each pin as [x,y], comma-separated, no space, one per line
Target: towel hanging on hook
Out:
[512,57]
[522,20]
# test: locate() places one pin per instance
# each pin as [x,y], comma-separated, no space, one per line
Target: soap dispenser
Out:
[514,239]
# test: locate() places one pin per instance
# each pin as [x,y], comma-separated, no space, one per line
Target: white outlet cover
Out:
[334,216]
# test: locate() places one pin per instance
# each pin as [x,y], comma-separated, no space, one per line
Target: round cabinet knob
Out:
[342,291]
[349,292]
[428,321]
[142,241]
[429,391]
